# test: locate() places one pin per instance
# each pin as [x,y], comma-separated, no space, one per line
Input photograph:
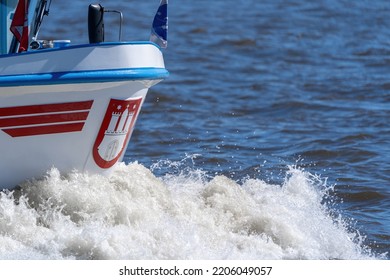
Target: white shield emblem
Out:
[115,131]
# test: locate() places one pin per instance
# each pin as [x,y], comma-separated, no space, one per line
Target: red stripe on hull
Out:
[53,118]
[45,108]
[47,129]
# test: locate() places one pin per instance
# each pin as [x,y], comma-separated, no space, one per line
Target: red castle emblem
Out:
[115,131]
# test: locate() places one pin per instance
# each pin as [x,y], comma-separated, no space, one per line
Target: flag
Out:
[159,34]
[19,25]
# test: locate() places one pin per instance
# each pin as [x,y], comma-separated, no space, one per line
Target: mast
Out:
[41,10]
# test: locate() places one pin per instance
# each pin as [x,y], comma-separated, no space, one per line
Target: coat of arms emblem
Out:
[115,131]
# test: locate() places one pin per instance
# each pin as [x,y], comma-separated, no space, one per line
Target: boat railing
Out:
[120,21]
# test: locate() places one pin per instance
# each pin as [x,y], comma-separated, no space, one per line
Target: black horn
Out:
[95,23]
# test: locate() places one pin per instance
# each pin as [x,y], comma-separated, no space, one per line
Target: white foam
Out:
[135,215]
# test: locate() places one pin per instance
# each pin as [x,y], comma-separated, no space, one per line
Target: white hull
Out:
[72,108]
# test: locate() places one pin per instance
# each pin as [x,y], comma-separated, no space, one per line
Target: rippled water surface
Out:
[270,139]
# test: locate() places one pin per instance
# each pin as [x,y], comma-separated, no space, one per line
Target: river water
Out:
[269,140]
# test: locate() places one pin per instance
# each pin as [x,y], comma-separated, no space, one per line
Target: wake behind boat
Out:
[70,106]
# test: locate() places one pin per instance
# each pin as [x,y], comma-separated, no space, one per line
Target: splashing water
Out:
[135,215]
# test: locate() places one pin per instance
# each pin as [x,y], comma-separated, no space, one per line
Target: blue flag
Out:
[159,33]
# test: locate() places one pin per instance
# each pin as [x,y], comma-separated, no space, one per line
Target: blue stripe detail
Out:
[111,75]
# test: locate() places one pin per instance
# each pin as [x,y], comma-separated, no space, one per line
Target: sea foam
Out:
[134,214]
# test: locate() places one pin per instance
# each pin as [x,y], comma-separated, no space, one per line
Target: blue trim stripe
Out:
[111,75]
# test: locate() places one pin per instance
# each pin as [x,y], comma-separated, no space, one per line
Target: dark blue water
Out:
[256,86]
[257,89]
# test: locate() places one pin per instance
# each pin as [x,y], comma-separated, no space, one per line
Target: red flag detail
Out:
[19,25]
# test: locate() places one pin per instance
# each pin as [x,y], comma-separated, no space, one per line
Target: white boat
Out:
[67,106]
